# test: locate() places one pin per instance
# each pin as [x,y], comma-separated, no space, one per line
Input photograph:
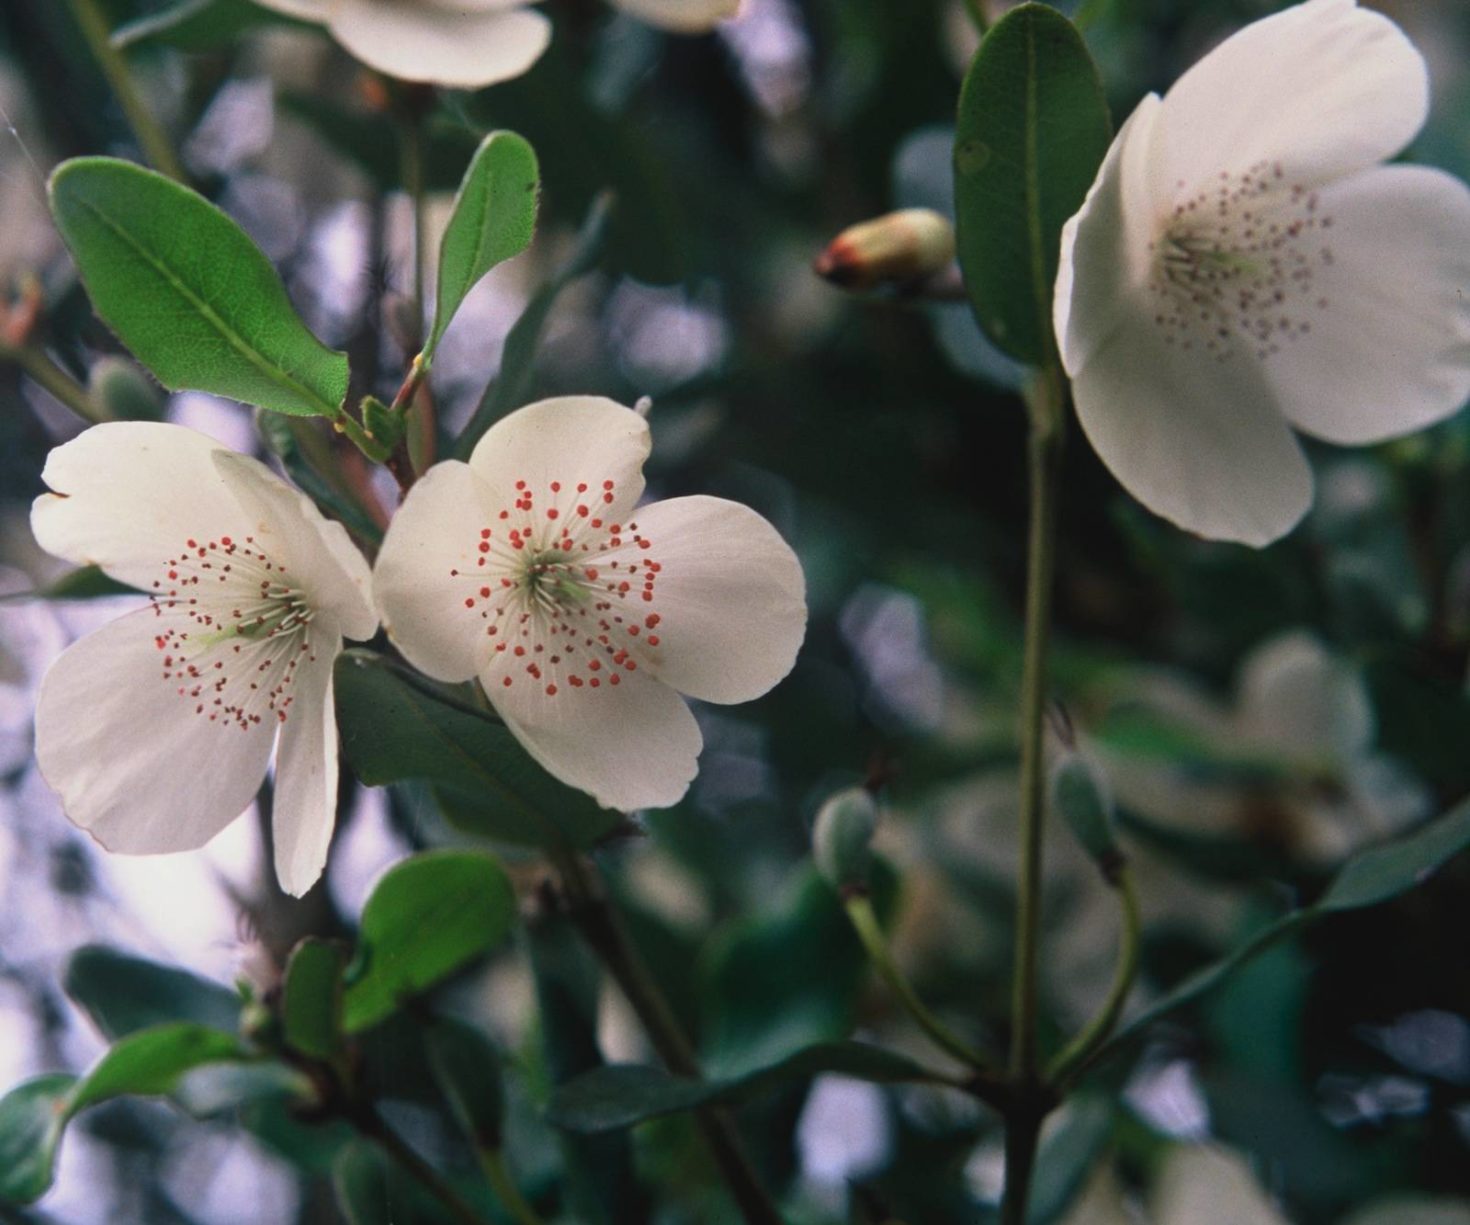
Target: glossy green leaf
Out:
[123,994]
[494,219]
[466,1068]
[1376,875]
[1033,129]
[518,358]
[197,25]
[150,1062]
[188,292]
[427,917]
[311,1002]
[32,1118]
[621,1095]
[395,727]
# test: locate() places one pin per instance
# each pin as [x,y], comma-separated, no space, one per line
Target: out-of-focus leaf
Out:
[311,1003]
[426,918]
[393,730]
[197,25]
[466,1067]
[123,994]
[1033,129]
[620,1095]
[369,1191]
[1068,1155]
[83,583]
[188,292]
[1376,875]
[32,1118]
[518,357]
[150,1062]
[602,1187]
[494,219]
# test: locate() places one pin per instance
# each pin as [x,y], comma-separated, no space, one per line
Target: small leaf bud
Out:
[1080,795]
[896,249]
[841,837]
[123,391]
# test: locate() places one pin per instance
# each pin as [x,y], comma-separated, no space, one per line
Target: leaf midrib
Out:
[237,342]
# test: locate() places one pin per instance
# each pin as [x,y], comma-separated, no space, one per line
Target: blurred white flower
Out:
[583,618]
[156,729]
[1295,754]
[469,44]
[1196,1185]
[1243,266]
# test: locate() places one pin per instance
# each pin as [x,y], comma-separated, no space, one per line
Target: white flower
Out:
[156,729]
[468,43]
[584,618]
[1243,265]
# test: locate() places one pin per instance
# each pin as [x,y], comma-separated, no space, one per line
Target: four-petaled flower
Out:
[156,729]
[469,44]
[583,615]
[1244,265]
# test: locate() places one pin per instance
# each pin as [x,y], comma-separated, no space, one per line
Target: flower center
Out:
[1235,264]
[567,598]
[233,630]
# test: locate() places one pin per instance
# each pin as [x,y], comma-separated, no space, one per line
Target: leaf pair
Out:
[199,303]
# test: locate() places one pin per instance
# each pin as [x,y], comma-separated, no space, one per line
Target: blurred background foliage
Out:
[1258,714]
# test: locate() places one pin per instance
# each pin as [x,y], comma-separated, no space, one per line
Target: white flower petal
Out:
[305,801]
[1204,1185]
[132,761]
[1389,346]
[433,535]
[1196,440]
[317,551]
[570,441]
[460,45]
[631,742]
[730,604]
[306,10]
[1325,88]
[681,16]
[127,495]
[1105,246]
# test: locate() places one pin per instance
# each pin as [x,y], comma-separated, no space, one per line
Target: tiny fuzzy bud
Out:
[895,249]
[1080,794]
[644,406]
[123,391]
[841,837]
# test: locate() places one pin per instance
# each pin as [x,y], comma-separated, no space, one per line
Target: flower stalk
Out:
[1062,1069]
[52,379]
[1046,405]
[156,146]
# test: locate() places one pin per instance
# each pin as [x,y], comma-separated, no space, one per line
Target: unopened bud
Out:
[1080,795]
[124,392]
[896,249]
[841,838]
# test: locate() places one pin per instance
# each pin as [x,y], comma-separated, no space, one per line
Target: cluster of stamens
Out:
[233,631]
[566,596]
[1236,264]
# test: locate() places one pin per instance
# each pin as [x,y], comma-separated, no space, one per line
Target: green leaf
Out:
[370,1191]
[494,218]
[428,917]
[188,292]
[466,1068]
[1033,129]
[198,25]
[32,1118]
[1376,875]
[311,1002]
[123,994]
[150,1062]
[620,1095]
[518,358]
[395,728]
[84,583]
[1068,1155]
